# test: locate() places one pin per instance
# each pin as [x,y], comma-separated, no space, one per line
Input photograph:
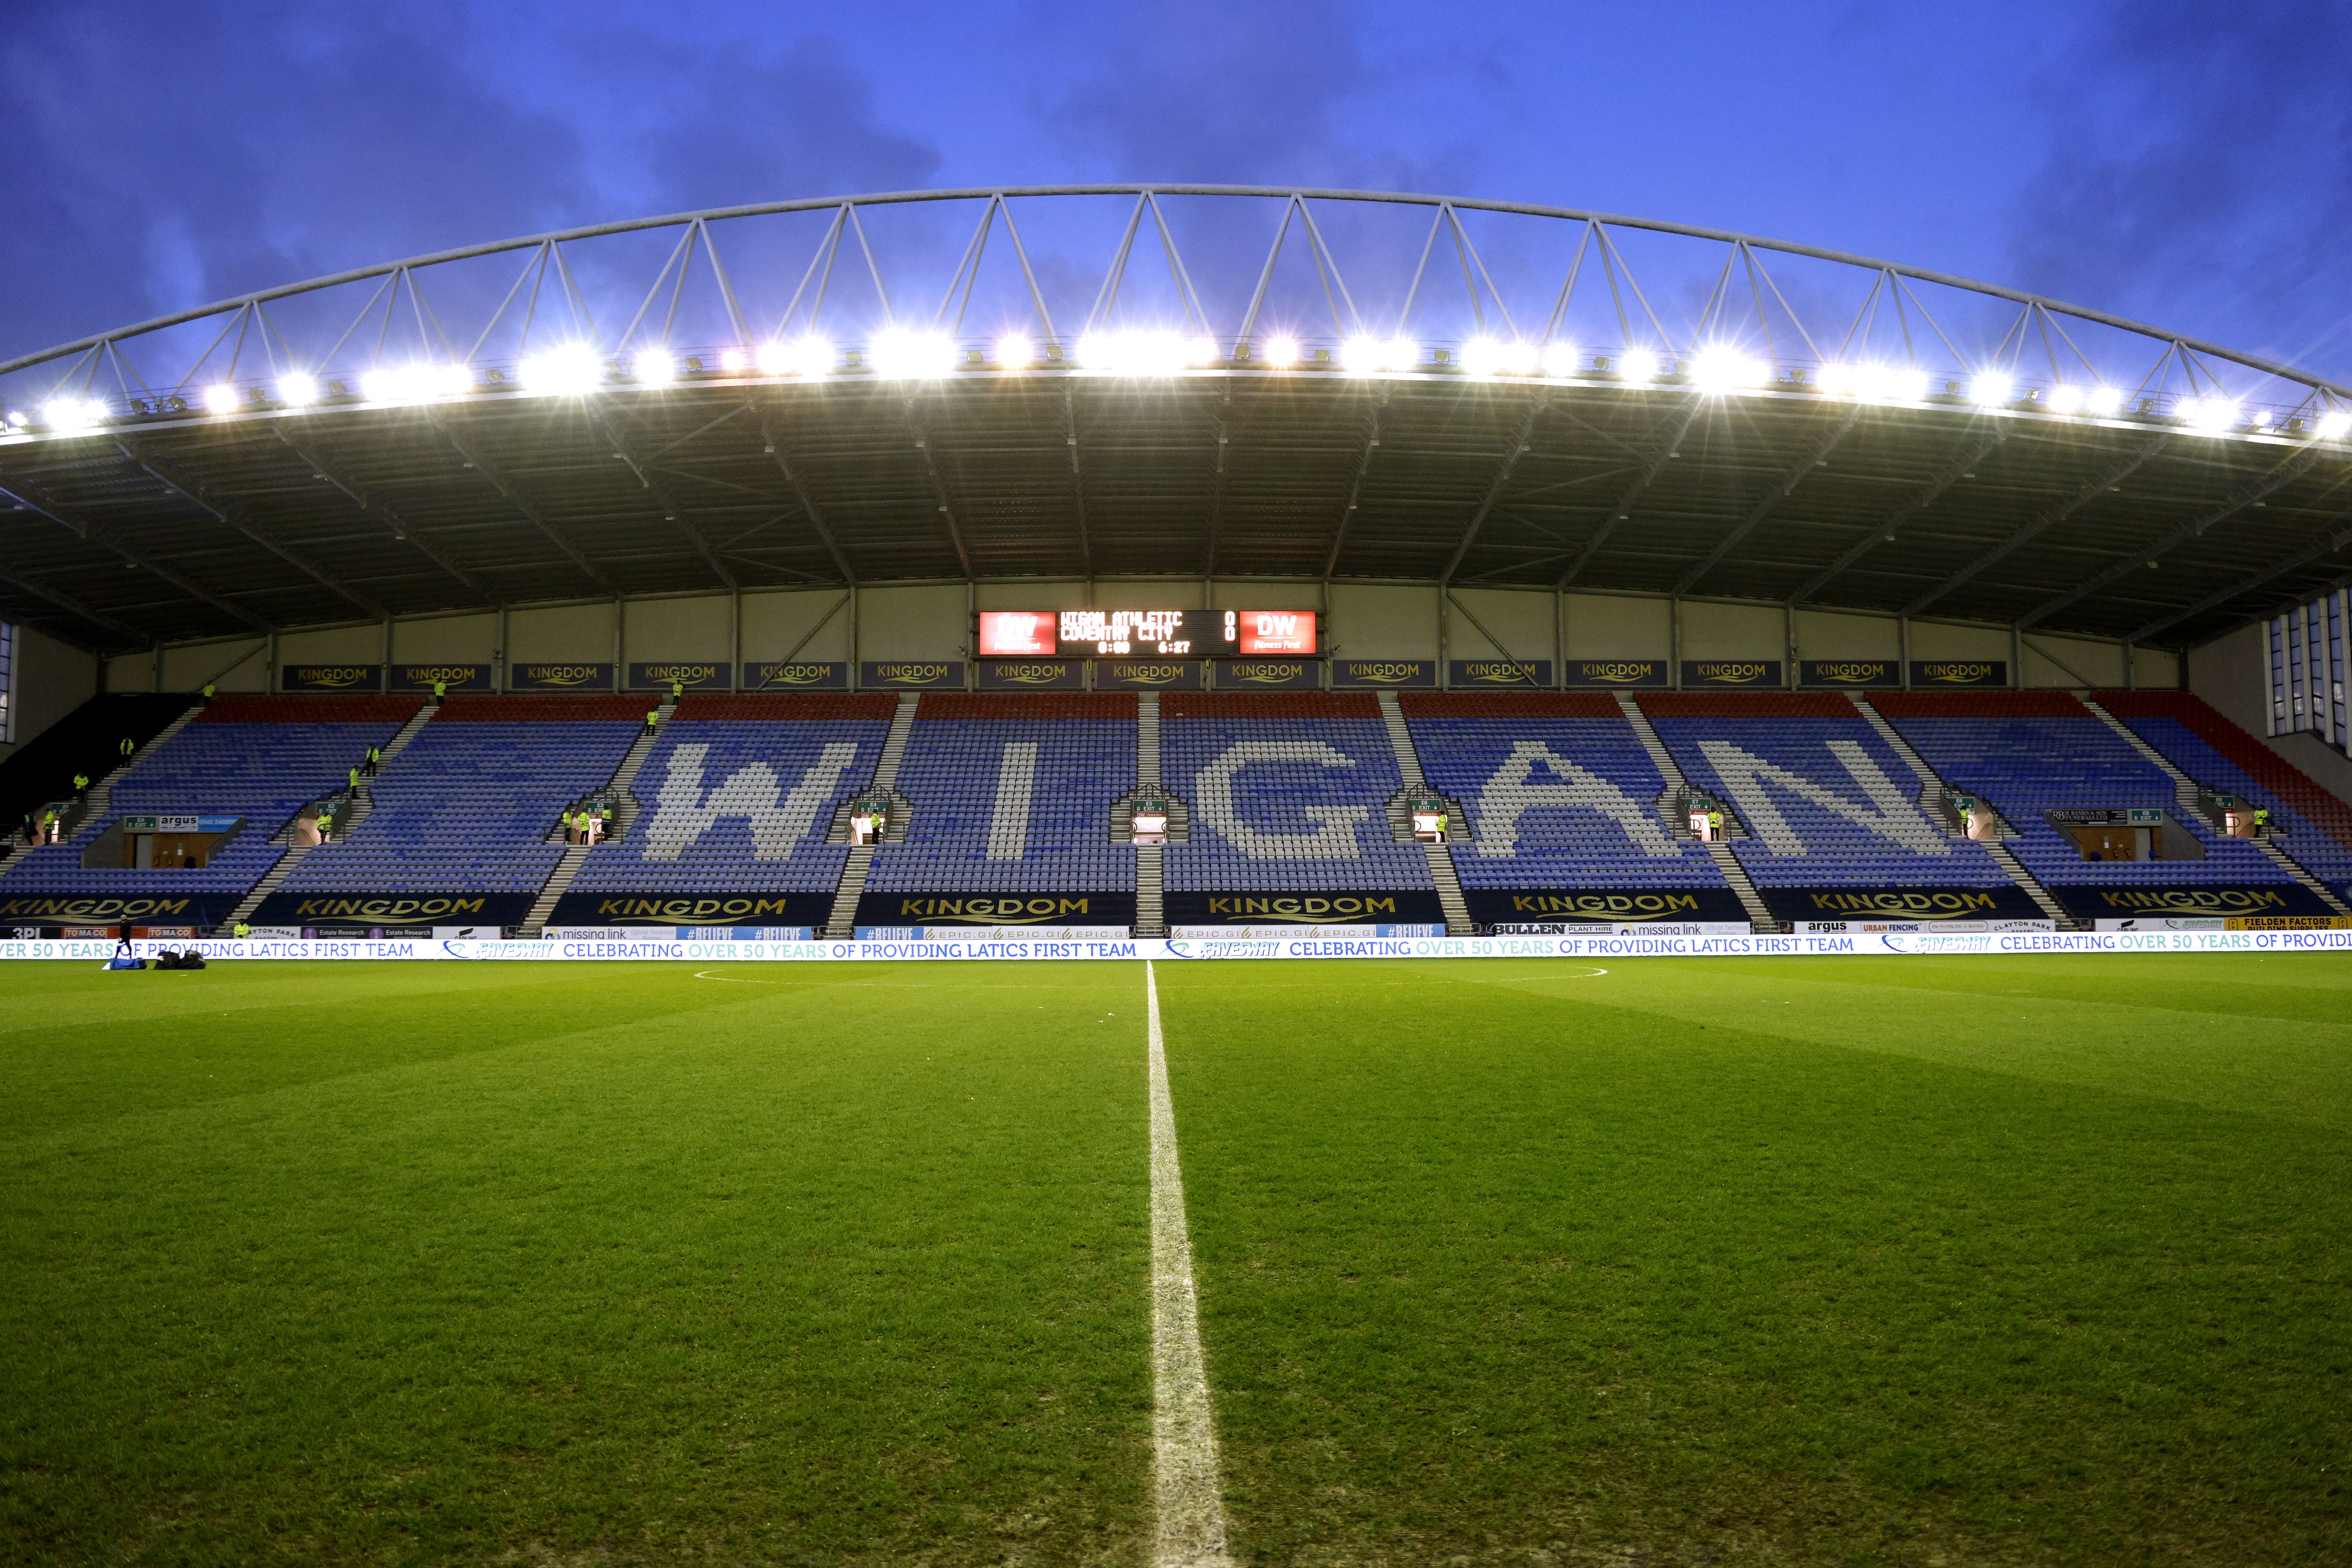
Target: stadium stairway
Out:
[97,800]
[1735,875]
[1441,874]
[1151,868]
[1932,785]
[2191,799]
[559,880]
[361,803]
[843,922]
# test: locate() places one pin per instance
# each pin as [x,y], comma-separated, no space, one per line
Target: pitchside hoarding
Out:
[1149,675]
[910,675]
[455,677]
[1269,675]
[994,910]
[1490,906]
[1755,673]
[778,675]
[1499,674]
[1032,675]
[1871,672]
[2187,902]
[1936,672]
[403,911]
[2006,902]
[1361,674]
[560,678]
[330,678]
[692,676]
[1410,907]
[658,908]
[1602,672]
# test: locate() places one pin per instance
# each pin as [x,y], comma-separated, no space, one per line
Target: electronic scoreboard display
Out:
[1145,634]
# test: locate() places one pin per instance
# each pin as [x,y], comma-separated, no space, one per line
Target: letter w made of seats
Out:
[685,814]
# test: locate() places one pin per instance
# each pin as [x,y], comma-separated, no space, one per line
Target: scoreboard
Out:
[1146,634]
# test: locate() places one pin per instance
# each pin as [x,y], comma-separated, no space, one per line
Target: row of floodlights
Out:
[577,369]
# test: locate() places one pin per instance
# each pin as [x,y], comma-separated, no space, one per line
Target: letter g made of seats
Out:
[1334,837]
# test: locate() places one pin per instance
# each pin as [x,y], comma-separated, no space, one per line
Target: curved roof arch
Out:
[1155,380]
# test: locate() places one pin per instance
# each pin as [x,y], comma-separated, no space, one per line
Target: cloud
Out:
[2199,175]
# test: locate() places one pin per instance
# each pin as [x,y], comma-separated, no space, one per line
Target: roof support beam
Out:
[521,504]
[1495,491]
[673,510]
[175,478]
[1077,482]
[1918,501]
[1217,487]
[775,447]
[32,498]
[74,607]
[940,487]
[2326,544]
[1815,456]
[2237,501]
[1355,490]
[1624,511]
[2048,518]
[402,528]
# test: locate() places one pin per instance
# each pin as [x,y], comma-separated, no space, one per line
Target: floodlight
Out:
[654,367]
[2334,427]
[2261,421]
[72,413]
[1402,353]
[1992,389]
[733,360]
[1363,355]
[1282,351]
[902,355]
[1638,364]
[2066,399]
[1556,360]
[298,389]
[1522,358]
[1838,379]
[1719,368]
[773,359]
[2215,413]
[220,397]
[569,370]
[1205,351]
[2104,401]
[1482,357]
[1016,353]
[811,356]
[1893,383]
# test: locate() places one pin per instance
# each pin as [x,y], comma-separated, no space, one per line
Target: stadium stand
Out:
[467,805]
[1826,802]
[83,741]
[739,793]
[2311,824]
[1557,791]
[1013,794]
[261,758]
[2029,752]
[1289,793]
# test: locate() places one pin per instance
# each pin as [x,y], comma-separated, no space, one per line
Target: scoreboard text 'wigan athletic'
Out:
[1166,634]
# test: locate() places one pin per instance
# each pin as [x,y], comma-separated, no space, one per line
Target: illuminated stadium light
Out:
[298,389]
[2334,427]
[1838,379]
[1719,368]
[1992,389]
[1364,355]
[902,355]
[1016,353]
[1892,384]
[220,397]
[1282,351]
[1482,357]
[2104,401]
[1205,351]
[1133,353]
[811,356]
[1637,365]
[654,367]
[2216,413]
[1556,358]
[72,413]
[571,370]
[1524,359]
[2066,399]
[734,362]
[2261,421]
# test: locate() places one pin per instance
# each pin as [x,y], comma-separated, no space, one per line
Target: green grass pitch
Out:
[1976,1260]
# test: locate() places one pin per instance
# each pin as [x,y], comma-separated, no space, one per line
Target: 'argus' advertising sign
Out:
[1356,674]
[1593,672]
[560,678]
[781,675]
[910,675]
[1496,673]
[1849,672]
[330,678]
[693,677]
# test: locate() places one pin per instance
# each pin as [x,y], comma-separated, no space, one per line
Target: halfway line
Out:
[1192,1509]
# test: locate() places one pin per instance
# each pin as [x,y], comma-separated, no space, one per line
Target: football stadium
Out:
[543,779]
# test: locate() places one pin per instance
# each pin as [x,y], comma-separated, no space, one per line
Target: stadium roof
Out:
[1159,381]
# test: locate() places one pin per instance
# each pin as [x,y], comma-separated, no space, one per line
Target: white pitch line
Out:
[1192,1508]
